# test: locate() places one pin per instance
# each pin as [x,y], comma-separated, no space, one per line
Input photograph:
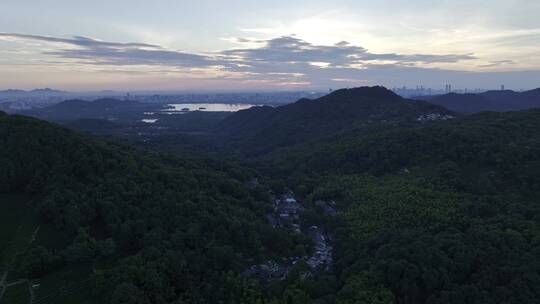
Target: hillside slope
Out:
[445,212]
[262,129]
[108,108]
[488,101]
[470,140]
[147,229]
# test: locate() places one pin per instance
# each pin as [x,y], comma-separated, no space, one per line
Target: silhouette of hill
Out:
[34,92]
[107,108]
[97,126]
[450,196]
[488,101]
[441,212]
[121,214]
[261,129]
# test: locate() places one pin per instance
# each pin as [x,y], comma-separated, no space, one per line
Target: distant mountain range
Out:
[52,164]
[35,92]
[425,208]
[260,129]
[499,101]
[106,108]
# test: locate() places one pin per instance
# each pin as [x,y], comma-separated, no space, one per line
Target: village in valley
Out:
[287,214]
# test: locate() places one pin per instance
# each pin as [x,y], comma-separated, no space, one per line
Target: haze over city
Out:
[266,45]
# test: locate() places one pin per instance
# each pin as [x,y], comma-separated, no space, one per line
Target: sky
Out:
[268,45]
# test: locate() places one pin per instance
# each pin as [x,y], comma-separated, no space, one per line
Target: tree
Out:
[127,293]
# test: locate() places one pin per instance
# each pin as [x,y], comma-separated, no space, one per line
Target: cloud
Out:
[115,53]
[285,49]
[420,58]
[135,56]
[322,65]
[76,40]
[497,63]
[290,49]
[280,61]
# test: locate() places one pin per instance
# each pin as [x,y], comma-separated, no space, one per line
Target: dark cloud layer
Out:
[115,53]
[286,49]
[286,59]
[497,63]
[77,40]
[290,49]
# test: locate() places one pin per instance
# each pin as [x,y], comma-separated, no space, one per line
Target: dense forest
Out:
[503,100]
[430,206]
[260,130]
[155,229]
[443,212]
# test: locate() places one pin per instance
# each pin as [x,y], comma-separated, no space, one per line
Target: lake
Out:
[180,108]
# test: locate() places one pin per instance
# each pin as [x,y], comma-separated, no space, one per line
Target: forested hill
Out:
[106,108]
[148,229]
[444,212]
[437,211]
[262,129]
[486,139]
[488,101]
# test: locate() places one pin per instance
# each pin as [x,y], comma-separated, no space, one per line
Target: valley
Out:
[360,196]
[269,152]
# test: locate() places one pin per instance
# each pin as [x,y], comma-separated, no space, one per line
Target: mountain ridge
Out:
[309,119]
[39,91]
[126,213]
[500,101]
[74,109]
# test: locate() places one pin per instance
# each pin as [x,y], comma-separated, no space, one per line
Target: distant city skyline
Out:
[241,45]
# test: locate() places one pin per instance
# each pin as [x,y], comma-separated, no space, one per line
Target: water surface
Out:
[180,108]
